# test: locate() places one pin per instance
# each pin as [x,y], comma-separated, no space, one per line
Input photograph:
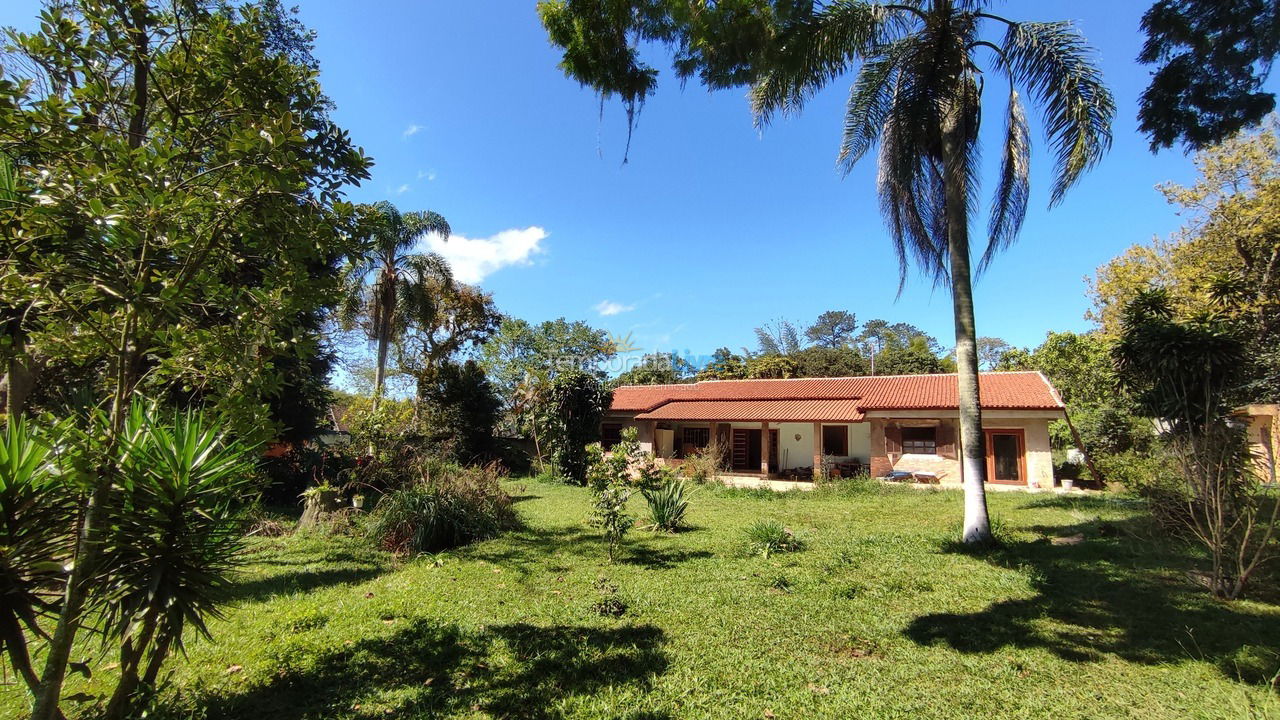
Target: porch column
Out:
[817,450]
[764,448]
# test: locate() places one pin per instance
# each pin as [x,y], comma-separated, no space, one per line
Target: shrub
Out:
[769,537]
[574,405]
[705,464]
[453,508]
[667,505]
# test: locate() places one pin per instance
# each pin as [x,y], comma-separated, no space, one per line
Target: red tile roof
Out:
[753,410]
[816,399]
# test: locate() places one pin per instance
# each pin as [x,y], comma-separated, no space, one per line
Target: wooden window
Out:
[920,440]
[835,440]
[610,435]
[697,437]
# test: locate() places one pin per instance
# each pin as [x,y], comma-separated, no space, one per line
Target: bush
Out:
[453,508]
[705,464]
[769,537]
[667,505]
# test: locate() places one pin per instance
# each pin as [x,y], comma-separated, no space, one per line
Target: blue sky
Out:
[712,227]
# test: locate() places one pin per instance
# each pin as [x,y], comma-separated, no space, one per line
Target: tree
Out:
[917,94]
[770,367]
[778,337]
[724,365]
[991,350]
[1182,370]
[575,404]
[442,318]
[520,353]
[656,369]
[1212,58]
[832,329]
[820,361]
[460,411]
[1225,258]
[380,276]
[170,150]
[913,358]
[877,335]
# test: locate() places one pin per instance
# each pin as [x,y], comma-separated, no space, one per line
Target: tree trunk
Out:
[977,527]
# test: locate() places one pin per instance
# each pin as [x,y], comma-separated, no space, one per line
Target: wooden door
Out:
[1006,457]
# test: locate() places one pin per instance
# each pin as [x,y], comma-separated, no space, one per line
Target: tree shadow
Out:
[427,670]
[1104,591]
[524,498]
[299,581]
[654,558]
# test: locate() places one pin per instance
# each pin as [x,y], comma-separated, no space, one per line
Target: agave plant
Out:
[36,536]
[668,505]
[174,541]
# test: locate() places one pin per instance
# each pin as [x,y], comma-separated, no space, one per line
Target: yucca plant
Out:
[36,536]
[668,505]
[174,541]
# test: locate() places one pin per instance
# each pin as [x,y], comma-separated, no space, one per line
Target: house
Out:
[1262,427]
[884,424]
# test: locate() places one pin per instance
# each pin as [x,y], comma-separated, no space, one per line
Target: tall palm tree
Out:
[380,277]
[918,95]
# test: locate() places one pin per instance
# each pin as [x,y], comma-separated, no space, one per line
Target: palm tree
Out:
[917,94]
[379,277]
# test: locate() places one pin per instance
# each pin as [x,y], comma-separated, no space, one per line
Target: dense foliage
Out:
[574,405]
[454,507]
[1212,60]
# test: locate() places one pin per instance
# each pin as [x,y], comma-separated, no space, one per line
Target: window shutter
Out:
[892,439]
[947,439]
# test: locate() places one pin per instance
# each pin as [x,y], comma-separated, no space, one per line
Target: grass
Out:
[879,617]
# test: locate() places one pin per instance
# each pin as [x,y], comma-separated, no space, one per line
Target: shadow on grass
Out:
[296,581]
[1108,593]
[426,670]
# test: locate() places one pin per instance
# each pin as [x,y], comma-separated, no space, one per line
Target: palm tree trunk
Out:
[977,527]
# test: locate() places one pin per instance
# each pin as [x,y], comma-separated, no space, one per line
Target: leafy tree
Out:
[381,275]
[142,255]
[917,94]
[460,411]
[914,358]
[1183,370]
[443,317]
[1212,59]
[574,405]
[878,335]
[770,367]
[832,329]
[656,369]
[991,350]
[522,354]
[1226,258]
[724,365]
[820,361]
[778,337]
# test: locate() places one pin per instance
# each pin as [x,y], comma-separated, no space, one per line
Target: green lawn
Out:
[883,618]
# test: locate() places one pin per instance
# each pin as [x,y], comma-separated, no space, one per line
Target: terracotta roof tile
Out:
[753,410]
[1011,391]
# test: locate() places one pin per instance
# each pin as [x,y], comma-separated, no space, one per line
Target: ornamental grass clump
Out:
[770,537]
[453,508]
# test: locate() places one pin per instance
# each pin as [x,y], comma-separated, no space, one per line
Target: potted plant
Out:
[357,502]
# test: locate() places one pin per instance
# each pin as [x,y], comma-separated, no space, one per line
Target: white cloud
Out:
[429,176]
[402,189]
[609,307]
[411,130]
[474,259]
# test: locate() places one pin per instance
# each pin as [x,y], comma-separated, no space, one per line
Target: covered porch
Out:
[779,450]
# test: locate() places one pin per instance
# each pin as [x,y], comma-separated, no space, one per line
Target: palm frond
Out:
[1053,62]
[426,222]
[1009,206]
[870,99]
[818,49]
